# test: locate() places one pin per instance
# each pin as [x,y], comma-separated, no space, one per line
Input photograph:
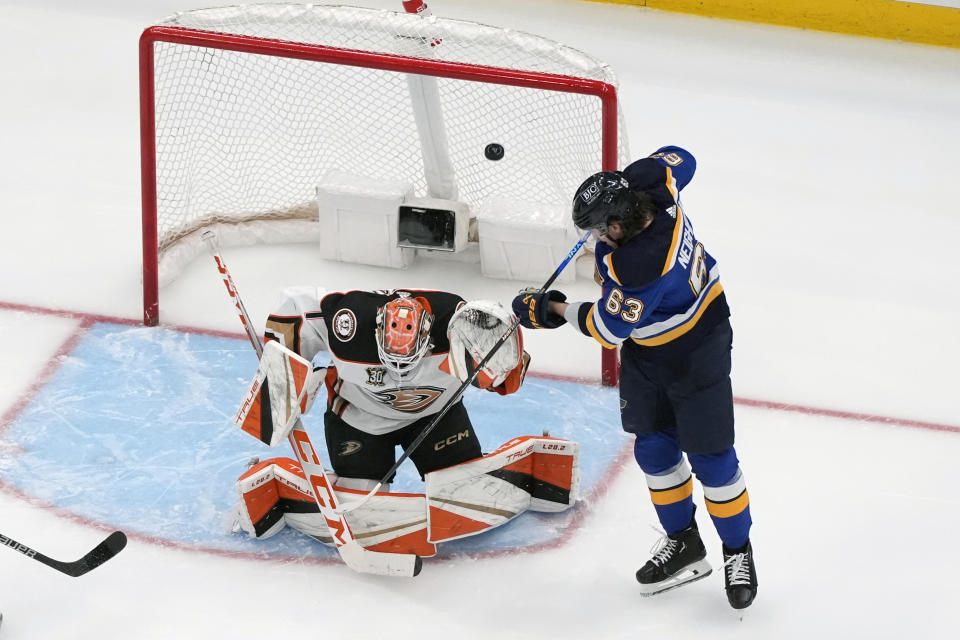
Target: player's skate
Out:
[677,559]
[739,576]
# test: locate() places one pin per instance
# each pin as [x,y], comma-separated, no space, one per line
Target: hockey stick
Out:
[111,546]
[352,553]
[463,386]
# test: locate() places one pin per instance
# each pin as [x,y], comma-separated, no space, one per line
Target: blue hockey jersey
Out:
[661,288]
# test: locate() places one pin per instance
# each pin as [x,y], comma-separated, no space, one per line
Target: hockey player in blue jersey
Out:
[663,304]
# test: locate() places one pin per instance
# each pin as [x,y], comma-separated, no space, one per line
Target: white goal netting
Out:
[253,104]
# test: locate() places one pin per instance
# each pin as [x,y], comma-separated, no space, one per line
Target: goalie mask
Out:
[403,333]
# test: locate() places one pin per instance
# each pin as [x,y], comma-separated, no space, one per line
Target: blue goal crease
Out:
[134,430]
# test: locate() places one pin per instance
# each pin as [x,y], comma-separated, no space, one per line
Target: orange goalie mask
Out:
[403,333]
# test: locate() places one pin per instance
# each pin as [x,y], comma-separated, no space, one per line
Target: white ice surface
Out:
[826,189]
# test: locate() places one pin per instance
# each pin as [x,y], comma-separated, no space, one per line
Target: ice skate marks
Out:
[137,422]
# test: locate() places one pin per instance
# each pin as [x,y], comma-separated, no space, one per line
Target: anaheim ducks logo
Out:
[349,447]
[409,400]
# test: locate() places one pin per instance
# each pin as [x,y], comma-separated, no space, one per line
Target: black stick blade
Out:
[111,546]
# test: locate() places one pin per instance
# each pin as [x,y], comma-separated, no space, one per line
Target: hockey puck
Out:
[493,151]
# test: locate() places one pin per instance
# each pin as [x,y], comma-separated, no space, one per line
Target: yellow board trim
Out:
[887,19]
[672,496]
[729,509]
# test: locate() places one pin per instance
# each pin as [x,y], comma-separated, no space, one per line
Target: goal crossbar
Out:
[190,37]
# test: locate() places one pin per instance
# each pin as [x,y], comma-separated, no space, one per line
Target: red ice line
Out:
[87,320]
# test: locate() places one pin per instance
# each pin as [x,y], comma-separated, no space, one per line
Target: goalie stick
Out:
[111,546]
[353,504]
[351,552]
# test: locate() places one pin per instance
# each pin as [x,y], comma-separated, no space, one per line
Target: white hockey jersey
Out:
[359,388]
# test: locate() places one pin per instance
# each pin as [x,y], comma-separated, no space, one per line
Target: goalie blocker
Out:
[527,473]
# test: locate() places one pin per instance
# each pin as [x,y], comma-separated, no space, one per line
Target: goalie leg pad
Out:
[275,493]
[536,473]
[389,522]
[272,490]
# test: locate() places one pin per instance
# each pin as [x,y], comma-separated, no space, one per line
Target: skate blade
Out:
[696,571]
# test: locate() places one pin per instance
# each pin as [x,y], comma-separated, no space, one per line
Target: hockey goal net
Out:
[244,108]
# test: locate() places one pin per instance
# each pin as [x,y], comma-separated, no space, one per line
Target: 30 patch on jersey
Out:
[375,376]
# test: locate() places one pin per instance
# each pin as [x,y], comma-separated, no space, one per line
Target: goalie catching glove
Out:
[473,331]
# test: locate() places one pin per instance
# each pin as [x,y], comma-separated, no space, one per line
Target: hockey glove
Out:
[473,330]
[532,308]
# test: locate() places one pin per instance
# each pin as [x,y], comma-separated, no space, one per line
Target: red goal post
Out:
[209,148]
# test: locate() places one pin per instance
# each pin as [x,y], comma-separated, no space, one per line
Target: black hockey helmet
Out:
[606,197]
